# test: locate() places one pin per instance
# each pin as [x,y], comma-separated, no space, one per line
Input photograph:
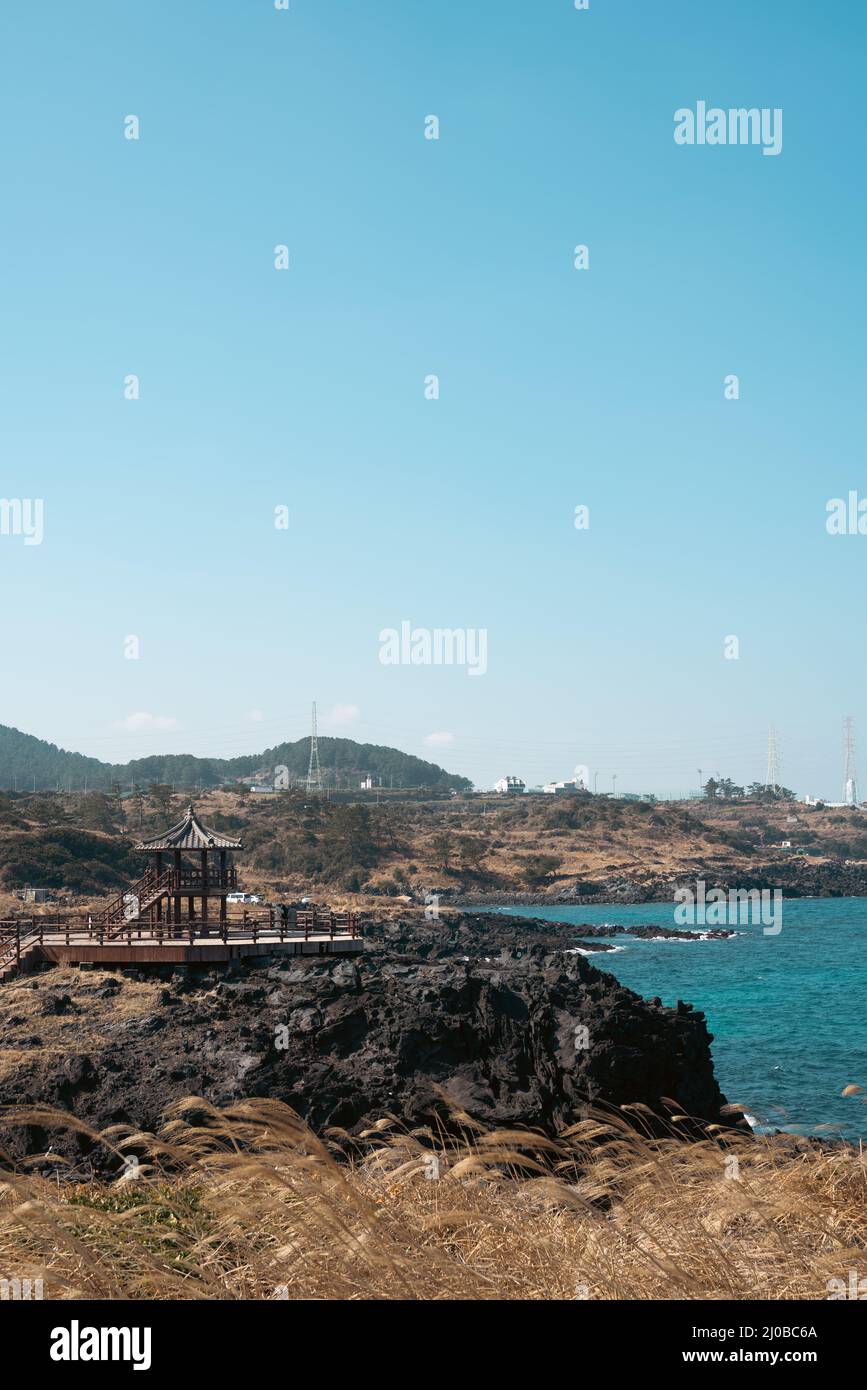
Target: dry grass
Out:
[248,1204]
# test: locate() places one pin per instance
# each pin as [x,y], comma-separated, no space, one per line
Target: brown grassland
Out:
[80,848]
[248,1204]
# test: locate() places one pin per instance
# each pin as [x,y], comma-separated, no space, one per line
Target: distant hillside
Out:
[28,762]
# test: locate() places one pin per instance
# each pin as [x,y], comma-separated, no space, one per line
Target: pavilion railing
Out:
[192,880]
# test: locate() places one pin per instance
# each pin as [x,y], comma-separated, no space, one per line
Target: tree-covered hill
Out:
[29,763]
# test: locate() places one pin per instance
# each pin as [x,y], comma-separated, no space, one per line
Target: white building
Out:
[833,805]
[510,786]
[561,788]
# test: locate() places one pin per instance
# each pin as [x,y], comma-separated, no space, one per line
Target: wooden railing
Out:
[119,909]
[152,886]
[16,938]
[191,880]
[269,925]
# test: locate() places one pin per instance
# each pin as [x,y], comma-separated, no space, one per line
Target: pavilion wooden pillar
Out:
[159,900]
[223,885]
[205,889]
[177,886]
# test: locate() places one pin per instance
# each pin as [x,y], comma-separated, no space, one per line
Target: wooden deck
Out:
[77,940]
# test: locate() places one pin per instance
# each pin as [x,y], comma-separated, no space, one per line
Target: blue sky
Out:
[558,387]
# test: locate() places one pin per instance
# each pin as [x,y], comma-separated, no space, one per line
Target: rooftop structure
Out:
[511,786]
[189,833]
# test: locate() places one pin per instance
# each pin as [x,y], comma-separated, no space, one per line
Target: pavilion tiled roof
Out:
[189,833]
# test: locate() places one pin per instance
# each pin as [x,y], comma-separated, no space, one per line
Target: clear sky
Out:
[559,387]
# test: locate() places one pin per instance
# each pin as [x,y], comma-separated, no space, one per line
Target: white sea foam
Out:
[693,936]
[580,951]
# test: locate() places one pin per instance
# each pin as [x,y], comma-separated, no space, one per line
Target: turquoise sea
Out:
[788,1012]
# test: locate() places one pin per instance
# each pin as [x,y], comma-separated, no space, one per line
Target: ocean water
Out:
[788,1012]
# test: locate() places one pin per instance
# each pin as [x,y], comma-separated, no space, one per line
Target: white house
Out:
[510,786]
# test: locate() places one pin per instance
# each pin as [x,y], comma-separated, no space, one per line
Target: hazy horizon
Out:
[261,736]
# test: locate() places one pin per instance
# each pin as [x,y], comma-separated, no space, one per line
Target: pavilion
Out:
[178,878]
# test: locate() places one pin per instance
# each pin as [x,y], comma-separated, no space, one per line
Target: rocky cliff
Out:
[516,1033]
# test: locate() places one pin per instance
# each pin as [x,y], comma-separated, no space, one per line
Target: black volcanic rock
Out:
[795,875]
[482,933]
[345,1042]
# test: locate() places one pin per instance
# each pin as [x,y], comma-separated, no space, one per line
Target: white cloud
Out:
[340,716]
[255,716]
[439,740]
[142,722]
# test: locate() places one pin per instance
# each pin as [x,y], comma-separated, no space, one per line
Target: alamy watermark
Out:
[439,646]
[855,1288]
[846,516]
[739,125]
[77,1343]
[23,516]
[736,907]
[21,1290]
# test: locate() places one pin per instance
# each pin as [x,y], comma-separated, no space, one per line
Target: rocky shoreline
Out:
[451,934]
[484,1013]
[793,877]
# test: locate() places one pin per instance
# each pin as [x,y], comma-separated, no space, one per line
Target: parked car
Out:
[243,898]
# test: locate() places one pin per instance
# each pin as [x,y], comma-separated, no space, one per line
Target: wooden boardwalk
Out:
[77,940]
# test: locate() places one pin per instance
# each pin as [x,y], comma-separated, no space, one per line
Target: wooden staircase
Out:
[15,944]
[131,906]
